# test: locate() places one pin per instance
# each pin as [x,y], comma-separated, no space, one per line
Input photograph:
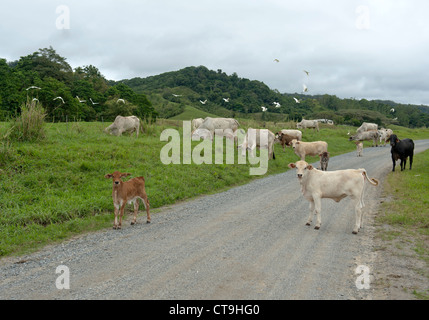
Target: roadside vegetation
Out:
[407,213]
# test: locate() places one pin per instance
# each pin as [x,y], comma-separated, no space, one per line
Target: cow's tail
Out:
[373,181]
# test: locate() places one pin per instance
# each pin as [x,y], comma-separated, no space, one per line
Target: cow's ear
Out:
[310,167]
[108,176]
[125,174]
[291,165]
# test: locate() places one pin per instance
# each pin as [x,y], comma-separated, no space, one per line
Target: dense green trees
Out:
[247,97]
[84,93]
[88,96]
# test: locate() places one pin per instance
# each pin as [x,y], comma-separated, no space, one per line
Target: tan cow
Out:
[314,148]
[336,185]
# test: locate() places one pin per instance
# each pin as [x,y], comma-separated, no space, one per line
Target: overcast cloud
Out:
[357,48]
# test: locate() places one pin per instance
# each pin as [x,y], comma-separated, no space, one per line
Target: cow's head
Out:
[116,176]
[301,167]
[393,140]
[294,143]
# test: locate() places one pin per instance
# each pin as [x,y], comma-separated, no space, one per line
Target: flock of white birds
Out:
[264,109]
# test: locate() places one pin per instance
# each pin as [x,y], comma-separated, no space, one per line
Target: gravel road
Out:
[249,242]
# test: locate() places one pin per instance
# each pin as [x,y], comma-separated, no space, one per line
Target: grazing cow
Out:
[127,192]
[366,126]
[196,123]
[285,137]
[124,124]
[366,136]
[304,124]
[211,124]
[359,148]
[314,148]
[317,185]
[252,139]
[324,159]
[401,149]
[201,133]
[384,135]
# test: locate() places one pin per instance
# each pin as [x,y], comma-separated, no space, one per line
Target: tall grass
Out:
[29,126]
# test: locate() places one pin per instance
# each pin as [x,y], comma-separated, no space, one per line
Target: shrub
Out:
[29,126]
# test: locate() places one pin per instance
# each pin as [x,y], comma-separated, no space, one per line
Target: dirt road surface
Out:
[249,242]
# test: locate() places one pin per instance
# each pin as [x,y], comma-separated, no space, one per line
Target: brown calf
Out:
[127,191]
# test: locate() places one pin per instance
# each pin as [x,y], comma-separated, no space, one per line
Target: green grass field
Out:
[55,188]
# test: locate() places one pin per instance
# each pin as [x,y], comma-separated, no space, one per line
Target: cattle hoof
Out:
[355,232]
[132,222]
[148,221]
[308,224]
[316,227]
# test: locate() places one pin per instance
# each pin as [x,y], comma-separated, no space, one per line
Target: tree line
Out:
[81,94]
[87,95]
[246,97]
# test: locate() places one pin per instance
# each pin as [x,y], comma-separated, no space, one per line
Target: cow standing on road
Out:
[401,149]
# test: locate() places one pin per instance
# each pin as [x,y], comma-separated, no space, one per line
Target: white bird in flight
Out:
[32,87]
[59,98]
[93,101]
[177,95]
[307,72]
[304,88]
[277,104]
[226,99]
[80,100]
[263,109]
[392,110]
[120,100]
[276,60]
[203,102]
[296,100]
[35,99]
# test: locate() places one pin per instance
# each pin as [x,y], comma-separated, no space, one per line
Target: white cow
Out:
[384,135]
[314,148]
[336,185]
[366,136]
[196,123]
[304,124]
[366,126]
[211,124]
[124,124]
[252,140]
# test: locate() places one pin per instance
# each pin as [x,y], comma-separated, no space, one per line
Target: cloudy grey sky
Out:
[373,49]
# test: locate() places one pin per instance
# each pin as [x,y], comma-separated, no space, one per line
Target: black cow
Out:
[401,149]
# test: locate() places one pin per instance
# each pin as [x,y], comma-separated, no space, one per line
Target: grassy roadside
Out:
[407,215]
[55,188]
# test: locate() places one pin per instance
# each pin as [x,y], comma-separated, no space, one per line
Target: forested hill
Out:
[83,93]
[170,92]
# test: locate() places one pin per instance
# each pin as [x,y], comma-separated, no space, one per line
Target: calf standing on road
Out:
[127,192]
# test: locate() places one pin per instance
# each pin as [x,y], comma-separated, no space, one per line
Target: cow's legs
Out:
[310,217]
[359,216]
[318,208]
[136,210]
[115,224]
[411,160]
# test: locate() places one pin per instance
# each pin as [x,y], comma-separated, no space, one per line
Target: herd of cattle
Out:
[316,184]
